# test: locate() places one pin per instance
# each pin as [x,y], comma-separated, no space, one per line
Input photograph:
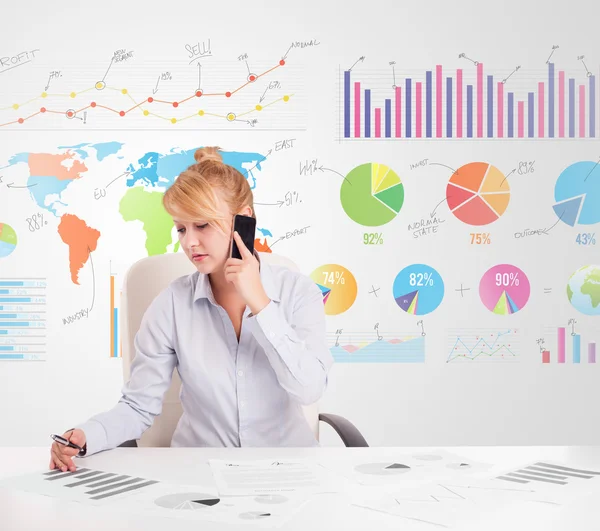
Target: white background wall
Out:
[393,404]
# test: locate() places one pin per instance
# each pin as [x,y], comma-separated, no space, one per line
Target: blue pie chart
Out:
[577,194]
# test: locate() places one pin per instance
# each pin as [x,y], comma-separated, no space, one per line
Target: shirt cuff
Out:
[95,436]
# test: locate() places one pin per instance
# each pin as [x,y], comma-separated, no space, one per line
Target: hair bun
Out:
[208,153]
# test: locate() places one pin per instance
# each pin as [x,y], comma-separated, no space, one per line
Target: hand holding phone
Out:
[246,228]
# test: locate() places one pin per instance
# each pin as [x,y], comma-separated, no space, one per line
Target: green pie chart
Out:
[372,194]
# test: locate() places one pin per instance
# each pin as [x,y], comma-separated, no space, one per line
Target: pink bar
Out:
[521,118]
[561,104]
[480,100]
[398,112]
[459,102]
[438,101]
[377,122]
[545,356]
[540,109]
[357,109]
[500,117]
[592,353]
[561,344]
[418,118]
[581,111]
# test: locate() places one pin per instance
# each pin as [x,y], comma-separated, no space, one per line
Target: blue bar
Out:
[576,348]
[116,329]
[11,283]
[428,78]
[14,323]
[571,107]
[3,332]
[368,113]
[490,106]
[8,316]
[551,100]
[511,114]
[470,111]
[530,114]
[12,356]
[347,104]
[6,349]
[4,291]
[15,299]
[388,118]
[408,108]
[592,106]
[449,107]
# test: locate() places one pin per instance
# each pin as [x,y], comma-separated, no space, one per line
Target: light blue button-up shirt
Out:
[233,394]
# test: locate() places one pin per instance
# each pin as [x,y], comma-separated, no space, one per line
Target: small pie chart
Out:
[504,289]
[418,289]
[372,194]
[478,193]
[8,240]
[338,287]
[383,469]
[192,501]
[577,194]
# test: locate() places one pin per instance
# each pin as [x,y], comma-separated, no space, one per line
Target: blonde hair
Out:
[193,195]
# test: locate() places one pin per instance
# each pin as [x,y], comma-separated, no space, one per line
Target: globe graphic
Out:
[583,290]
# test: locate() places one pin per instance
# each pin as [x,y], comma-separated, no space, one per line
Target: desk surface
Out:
[23,511]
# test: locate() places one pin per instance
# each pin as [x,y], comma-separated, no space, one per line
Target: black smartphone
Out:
[246,228]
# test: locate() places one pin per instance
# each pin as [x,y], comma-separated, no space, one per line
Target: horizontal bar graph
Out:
[468,103]
[567,347]
[23,319]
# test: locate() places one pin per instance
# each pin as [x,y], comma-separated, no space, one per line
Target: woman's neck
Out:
[222,289]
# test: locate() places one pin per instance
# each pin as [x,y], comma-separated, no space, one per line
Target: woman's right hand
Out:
[62,456]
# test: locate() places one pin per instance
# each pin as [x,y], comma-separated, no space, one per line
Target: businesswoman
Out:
[247,338]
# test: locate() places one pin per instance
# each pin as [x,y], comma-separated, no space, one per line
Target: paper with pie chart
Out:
[504,289]
[338,287]
[8,240]
[478,193]
[577,194]
[372,194]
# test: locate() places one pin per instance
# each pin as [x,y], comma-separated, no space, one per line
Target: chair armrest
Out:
[128,444]
[347,431]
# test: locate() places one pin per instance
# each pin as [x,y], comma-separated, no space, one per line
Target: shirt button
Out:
[240,373]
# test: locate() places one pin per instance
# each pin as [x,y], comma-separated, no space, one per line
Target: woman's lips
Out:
[198,257]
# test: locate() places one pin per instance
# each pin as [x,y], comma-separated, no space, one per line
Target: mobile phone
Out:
[246,228]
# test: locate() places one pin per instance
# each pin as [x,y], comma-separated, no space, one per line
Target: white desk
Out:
[20,511]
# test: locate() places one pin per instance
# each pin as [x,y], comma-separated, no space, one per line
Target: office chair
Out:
[142,283]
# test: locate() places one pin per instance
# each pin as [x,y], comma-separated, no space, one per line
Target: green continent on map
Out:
[139,205]
[569,292]
[591,287]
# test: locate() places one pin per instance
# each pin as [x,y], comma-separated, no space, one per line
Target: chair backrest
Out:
[142,283]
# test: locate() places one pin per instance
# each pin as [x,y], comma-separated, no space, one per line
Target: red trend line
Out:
[197,94]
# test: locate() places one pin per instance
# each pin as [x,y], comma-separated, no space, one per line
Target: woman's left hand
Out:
[245,276]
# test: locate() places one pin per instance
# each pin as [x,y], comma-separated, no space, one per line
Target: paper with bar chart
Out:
[459,102]
[418,289]
[504,289]
[577,194]
[372,194]
[564,344]
[478,193]
[376,347]
[493,345]
[8,240]
[23,319]
[338,287]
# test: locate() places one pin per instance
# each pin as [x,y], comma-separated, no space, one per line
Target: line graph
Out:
[483,345]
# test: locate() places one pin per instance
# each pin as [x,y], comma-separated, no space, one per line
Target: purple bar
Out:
[511,114]
[367,113]
[561,344]
[571,107]
[428,77]
[408,117]
[591,352]
[490,106]
[388,118]
[448,107]
[592,106]
[551,100]
[470,111]
[530,113]
[347,104]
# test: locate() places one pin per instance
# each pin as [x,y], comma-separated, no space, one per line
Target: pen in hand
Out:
[65,442]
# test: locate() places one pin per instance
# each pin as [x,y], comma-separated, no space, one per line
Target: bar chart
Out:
[467,103]
[115,303]
[563,345]
[22,319]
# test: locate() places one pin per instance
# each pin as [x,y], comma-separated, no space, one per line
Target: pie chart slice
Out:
[338,287]
[193,501]
[372,194]
[568,211]
[577,194]
[478,193]
[383,469]
[418,289]
[8,240]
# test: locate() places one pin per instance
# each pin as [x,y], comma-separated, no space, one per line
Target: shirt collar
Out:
[267,277]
